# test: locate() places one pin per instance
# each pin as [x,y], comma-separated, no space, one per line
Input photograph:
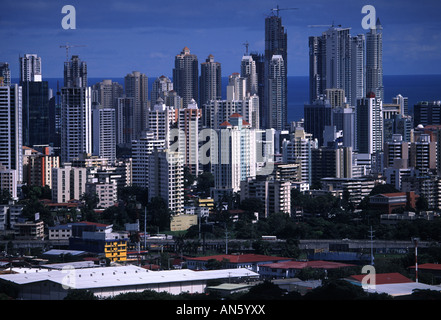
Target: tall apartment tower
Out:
[107,92]
[5,74]
[30,68]
[142,148]
[248,71]
[210,81]
[234,160]
[189,123]
[403,102]
[186,76]
[276,70]
[103,132]
[317,115]
[36,115]
[125,131]
[136,87]
[336,61]
[160,121]
[76,113]
[75,73]
[374,61]
[369,114]
[11,154]
[166,178]
[160,87]
[275,94]
[259,60]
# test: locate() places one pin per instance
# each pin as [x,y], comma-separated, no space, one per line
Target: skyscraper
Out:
[166,178]
[160,87]
[103,132]
[36,95]
[30,68]
[337,62]
[76,113]
[124,122]
[75,73]
[275,94]
[136,87]
[369,124]
[36,113]
[189,123]
[276,71]
[186,76]
[106,93]
[235,157]
[248,71]
[5,74]
[374,61]
[11,154]
[210,81]
[317,116]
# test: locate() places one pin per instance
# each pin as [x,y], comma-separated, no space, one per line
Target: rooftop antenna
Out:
[67,46]
[246,44]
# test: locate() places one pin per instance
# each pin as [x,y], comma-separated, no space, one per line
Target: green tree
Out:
[264,291]
[80,294]
[336,290]
[205,182]
[159,213]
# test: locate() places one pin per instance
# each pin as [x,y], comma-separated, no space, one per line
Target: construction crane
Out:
[322,25]
[277,9]
[67,46]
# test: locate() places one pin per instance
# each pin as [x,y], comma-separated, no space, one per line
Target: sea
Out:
[415,87]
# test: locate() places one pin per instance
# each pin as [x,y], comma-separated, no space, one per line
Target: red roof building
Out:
[381,278]
[249,261]
[387,202]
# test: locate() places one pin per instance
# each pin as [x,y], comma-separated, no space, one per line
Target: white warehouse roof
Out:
[90,278]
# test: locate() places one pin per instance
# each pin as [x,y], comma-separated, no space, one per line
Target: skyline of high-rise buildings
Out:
[343,131]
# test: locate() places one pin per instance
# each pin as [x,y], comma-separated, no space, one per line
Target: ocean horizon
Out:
[415,87]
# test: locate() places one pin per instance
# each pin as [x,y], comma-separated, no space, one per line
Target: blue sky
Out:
[145,35]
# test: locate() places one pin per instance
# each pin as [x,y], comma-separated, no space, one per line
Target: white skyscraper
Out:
[248,71]
[166,178]
[30,68]
[11,154]
[275,94]
[160,87]
[189,124]
[160,120]
[76,112]
[103,132]
[337,61]
[141,149]
[298,150]
[235,158]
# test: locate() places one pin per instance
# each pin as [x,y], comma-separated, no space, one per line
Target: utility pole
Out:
[371,236]
[145,228]
[415,241]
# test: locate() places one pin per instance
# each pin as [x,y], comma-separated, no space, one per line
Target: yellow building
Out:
[116,250]
[206,203]
[183,222]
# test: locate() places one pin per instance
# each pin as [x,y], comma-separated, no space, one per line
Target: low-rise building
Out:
[290,269]
[388,202]
[106,282]
[247,261]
